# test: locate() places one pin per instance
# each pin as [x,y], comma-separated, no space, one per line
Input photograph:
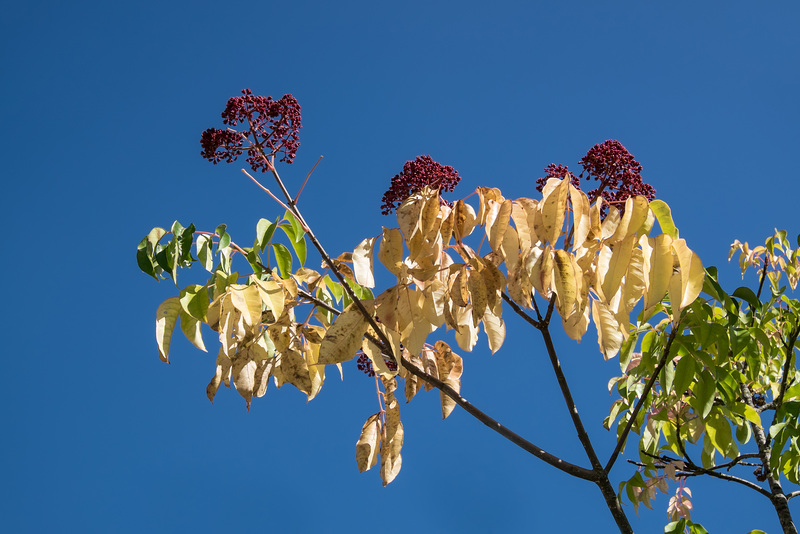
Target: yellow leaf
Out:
[368,443]
[166,316]
[390,252]
[466,331]
[374,353]
[463,220]
[451,367]
[660,270]
[692,272]
[565,284]
[519,285]
[553,208]
[609,336]
[392,438]
[634,281]
[477,291]
[495,330]
[243,373]
[485,195]
[617,267]
[343,338]
[191,329]
[510,247]
[576,324]
[316,372]
[271,295]
[497,221]
[222,372]
[247,300]
[580,214]
[447,217]
[520,218]
[429,214]
[409,214]
[541,274]
[412,382]
[637,210]
[610,223]
[459,291]
[294,370]
[263,372]
[362,262]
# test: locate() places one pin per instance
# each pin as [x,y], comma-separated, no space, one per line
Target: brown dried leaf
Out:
[463,220]
[243,373]
[368,443]
[477,291]
[343,338]
[392,438]
[451,368]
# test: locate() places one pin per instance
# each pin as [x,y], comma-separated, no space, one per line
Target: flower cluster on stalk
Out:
[416,175]
[610,163]
[270,128]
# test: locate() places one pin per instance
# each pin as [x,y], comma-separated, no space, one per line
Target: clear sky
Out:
[102,108]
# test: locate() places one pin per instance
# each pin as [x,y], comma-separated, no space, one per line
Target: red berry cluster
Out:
[365,365]
[271,127]
[619,174]
[416,175]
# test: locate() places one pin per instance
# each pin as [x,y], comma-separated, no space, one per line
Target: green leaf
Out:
[663,214]
[191,329]
[224,238]
[704,391]
[264,231]
[718,430]
[204,253]
[747,295]
[145,260]
[684,374]
[676,527]
[299,233]
[284,259]
[335,288]
[194,301]
[697,528]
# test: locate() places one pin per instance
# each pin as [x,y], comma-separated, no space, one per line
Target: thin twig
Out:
[297,196]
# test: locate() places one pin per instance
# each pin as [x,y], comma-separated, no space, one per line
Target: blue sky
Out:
[102,108]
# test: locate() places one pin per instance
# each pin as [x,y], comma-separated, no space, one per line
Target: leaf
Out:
[362,262]
[264,231]
[660,270]
[271,294]
[343,338]
[497,221]
[294,369]
[609,336]
[368,443]
[663,215]
[222,372]
[495,330]
[553,207]
[692,273]
[191,329]
[580,212]
[243,373]
[283,258]
[704,392]
[464,220]
[392,439]
[564,278]
[166,316]
[617,267]
[204,253]
[390,251]
[247,300]
[450,367]
[194,301]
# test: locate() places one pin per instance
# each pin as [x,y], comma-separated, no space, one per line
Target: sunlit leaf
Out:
[362,262]
[284,259]
[663,215]
[343,338]
[166,316]
[368,443]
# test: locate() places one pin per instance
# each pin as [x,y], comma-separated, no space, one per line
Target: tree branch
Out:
[558,463]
